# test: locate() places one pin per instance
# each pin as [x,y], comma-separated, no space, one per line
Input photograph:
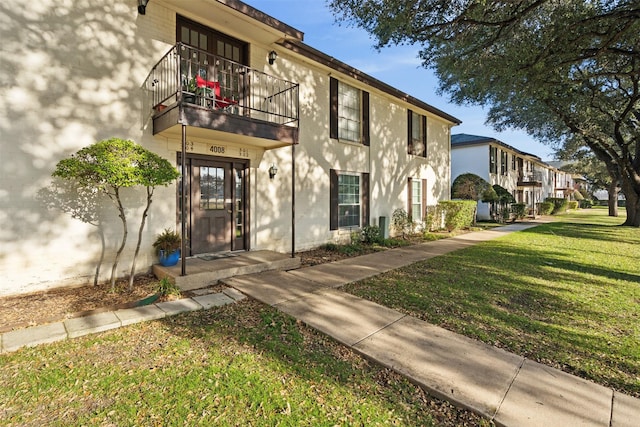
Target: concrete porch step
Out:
[207,269]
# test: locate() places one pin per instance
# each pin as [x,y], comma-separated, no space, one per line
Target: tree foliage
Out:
[110,165]
[556,69]
[469,186]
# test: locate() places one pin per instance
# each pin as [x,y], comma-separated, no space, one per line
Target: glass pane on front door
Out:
[211,188]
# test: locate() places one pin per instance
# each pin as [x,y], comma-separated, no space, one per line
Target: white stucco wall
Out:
[73,73]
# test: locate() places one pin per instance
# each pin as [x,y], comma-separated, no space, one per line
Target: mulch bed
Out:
[22,311]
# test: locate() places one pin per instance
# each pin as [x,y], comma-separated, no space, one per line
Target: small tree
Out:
[401,222]
[111,165]
[469,186]
[503,199]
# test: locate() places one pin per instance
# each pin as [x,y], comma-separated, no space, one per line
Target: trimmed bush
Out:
[586,203]
[572,205]
[458,213]
[545,208]
[371,234]
[519,210]
[401,222]
[559,204]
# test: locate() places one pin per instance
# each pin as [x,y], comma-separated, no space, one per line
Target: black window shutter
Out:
[365,118]
[366,216]
[424,136]
[409,198]
[333,199]
[333,115]
[409,131]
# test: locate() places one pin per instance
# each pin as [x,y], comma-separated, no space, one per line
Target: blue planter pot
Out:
[170,259]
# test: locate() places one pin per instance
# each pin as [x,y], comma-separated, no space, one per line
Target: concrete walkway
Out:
[503,387]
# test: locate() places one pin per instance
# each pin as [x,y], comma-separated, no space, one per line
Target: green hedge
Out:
[586,203]
[572,205]
[458,213]
[545,208]
[559,204]
[519,210]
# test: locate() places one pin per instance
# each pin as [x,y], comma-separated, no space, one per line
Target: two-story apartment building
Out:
[282,147]
[526,176]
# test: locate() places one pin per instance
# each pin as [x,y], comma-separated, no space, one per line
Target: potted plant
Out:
[189,88]
[168,244]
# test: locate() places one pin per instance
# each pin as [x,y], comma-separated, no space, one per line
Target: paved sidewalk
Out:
[503,387]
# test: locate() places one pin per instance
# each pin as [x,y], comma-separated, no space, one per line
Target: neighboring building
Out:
[284,147]
[524,175]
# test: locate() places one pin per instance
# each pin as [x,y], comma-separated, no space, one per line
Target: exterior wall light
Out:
[272,57]
[273,170]
[142,6]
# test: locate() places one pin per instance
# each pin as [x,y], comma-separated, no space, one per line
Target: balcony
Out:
[221,99]
[530,179]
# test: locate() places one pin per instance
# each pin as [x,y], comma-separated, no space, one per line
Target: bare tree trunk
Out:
[96,278]
[124,239]
[142,222]
[613,199]
[632,196]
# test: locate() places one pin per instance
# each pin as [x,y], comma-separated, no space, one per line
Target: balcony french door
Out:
[229,53]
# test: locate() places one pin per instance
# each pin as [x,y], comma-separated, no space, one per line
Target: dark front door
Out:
[210,206]
[216,192]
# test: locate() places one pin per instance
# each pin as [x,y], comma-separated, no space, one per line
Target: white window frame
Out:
[416,200]
[341,223]
[349,113]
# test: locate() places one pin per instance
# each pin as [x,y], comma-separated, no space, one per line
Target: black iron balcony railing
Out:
[533,177]
[189,75]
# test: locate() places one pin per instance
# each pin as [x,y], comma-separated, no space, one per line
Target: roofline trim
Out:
[481,140]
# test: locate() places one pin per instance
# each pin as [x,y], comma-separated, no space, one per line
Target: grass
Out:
[242,364]
[566,294]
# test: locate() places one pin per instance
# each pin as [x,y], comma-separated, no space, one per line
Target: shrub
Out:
[559,204]
[505,213]
[433,219]
[331,247]
[519,210]
[401,222]
[166,287]
[586,203]
[458,213]
[545,208]
[572,205]
[371,234]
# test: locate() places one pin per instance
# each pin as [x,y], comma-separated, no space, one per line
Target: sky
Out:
[398,66]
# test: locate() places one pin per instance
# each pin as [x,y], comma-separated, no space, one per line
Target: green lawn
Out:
[566,294]
[239,365]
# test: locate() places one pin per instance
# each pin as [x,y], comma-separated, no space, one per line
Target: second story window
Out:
[349,119]
[493,159]
[503,162]
[348,112]
[417,130]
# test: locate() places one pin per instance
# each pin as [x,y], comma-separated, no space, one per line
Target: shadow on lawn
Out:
[530,302]
[610,233]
